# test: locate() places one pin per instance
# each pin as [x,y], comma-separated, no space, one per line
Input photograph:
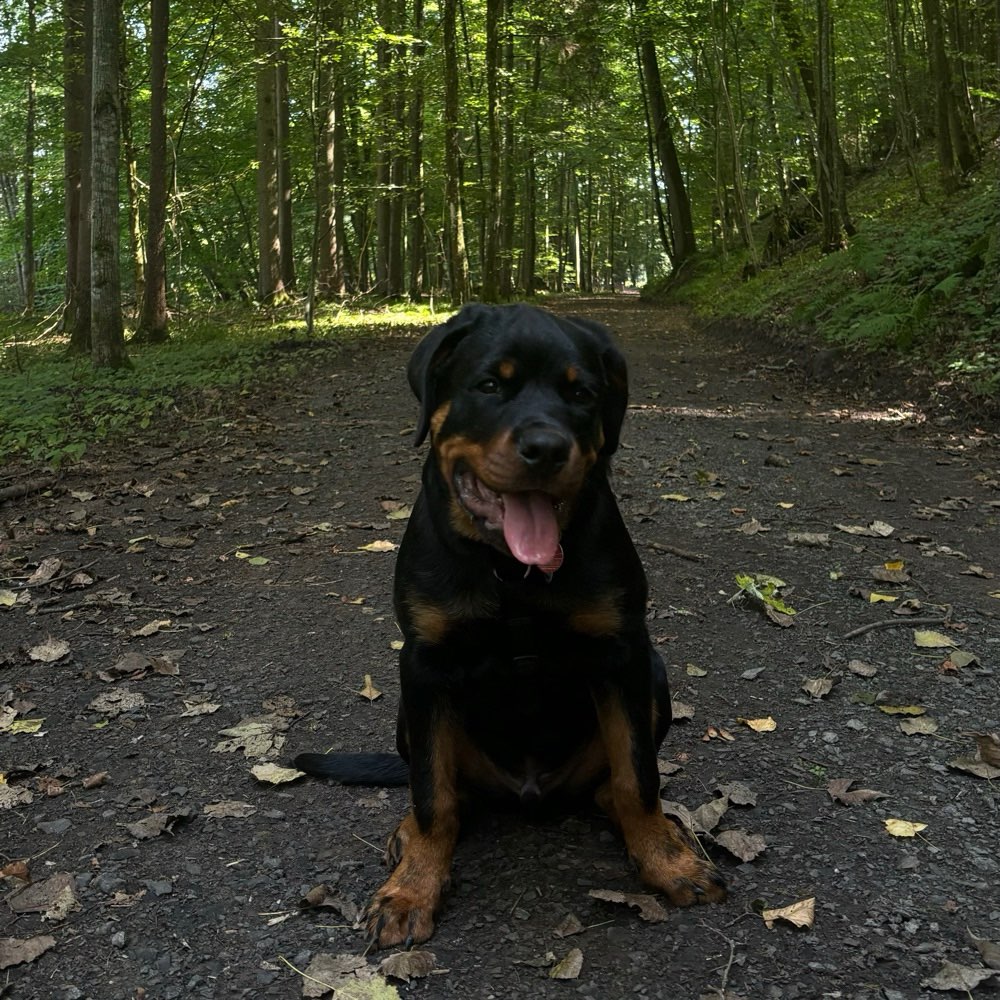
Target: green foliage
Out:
[54,407]
[918,279]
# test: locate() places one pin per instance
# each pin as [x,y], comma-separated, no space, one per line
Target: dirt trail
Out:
[231,574]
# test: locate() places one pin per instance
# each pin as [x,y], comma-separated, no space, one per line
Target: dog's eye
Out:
[489,386]
[581,394]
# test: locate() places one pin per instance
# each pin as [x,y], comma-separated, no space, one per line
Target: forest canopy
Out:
[335,148]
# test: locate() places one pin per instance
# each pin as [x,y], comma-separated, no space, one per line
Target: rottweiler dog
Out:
[527,670]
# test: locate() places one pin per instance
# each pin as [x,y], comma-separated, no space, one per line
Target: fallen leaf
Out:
[368,689]
[7,600]
[717,733]
[680,711]
[902,709]
[95,780]
[877,529]
[151,628]
[923,726]
[989,748]
[677,497]
[738,793]
[54,898]
[874,598]
[838,791]
[812,539]
[765,725]
[743,845]
[568,926]
[706,817]
[904,827]
[974,570]
[156,823]
[861,668]
[959,658]
[228,809]
[49,651]
[957,977]
[45,570]
[977,767]
[407,965]
[990,950]
[323,897]
[648,906]
[801,913]
[568,967]
[695,671]
[17,951]
[255,736]
[819,687]
[381,545]
[929,639]
[12,796]
[274,774]
[116,701]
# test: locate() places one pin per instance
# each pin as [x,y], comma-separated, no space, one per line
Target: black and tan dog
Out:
[527,670]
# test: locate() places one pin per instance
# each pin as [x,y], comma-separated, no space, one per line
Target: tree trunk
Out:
[28,243]
[458,268]
[529,222]
[107,333]
[283,161]
[152,325]
[135,246]
[679,205]
[330,154]
[77,64]
[268,274]
[416,206]
[830,180]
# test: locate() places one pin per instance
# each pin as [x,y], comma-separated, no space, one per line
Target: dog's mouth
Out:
[527,519]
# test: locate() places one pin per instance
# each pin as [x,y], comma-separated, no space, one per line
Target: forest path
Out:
[182,615]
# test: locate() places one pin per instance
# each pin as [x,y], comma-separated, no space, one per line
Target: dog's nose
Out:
[543,448]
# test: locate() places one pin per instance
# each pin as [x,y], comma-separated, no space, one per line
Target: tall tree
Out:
[683,243]
[458,268]
[28,243]
[268,272]
[152,324]
[107,332]
[830,180]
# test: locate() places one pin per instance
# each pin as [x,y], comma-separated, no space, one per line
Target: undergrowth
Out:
[54,406]
[918,280]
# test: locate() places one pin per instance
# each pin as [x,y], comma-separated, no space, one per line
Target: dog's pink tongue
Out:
[530,528]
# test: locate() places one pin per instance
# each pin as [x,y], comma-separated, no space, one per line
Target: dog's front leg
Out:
[631,798]
[402,911]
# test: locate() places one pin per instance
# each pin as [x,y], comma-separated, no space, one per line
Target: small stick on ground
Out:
[26,489]
[674,551]
[891,623]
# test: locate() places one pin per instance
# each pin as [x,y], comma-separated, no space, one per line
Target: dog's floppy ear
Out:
[424,370]
[615,376]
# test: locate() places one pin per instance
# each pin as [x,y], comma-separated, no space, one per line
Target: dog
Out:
[527,670]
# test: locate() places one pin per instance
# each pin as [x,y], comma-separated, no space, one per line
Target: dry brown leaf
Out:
[801,913]
[568,926]
[648,906]
[990,950]
[838,791]
[929,639]
[45,570]
[738,793]
[743,845]
[49,651]
[228,809]
[952,976]
[156,823]
[989,748]
[275,774]
[861,668]
[706,817]
[323,897]
[923,726]
[569,966]
[407,965]
[680,711]
[819,687]
[977,767]
[901,709]
[765,725]
[54,898]
[904,827]
[17,951]
[368,689]
[717,733]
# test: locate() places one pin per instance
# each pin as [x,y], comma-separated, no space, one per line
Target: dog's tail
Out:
[383,769]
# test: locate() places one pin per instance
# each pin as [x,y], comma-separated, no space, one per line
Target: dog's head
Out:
[520,405]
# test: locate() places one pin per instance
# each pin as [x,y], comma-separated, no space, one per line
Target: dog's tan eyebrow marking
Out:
[572,373]
[507,368]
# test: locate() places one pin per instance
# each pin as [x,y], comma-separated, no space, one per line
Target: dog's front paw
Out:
[686,879]
[399,916]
